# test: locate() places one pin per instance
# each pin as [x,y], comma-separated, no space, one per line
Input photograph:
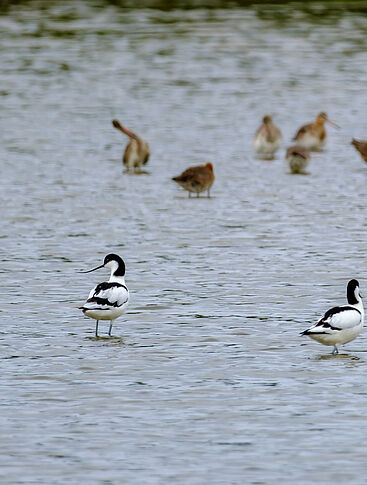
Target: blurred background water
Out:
[207,379]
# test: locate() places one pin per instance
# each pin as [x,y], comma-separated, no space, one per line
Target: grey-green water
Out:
[207,380]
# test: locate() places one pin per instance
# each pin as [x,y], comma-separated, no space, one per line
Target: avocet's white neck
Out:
[116,279]
[359,304]
[115,268]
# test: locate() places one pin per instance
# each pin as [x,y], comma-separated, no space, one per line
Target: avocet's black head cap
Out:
[120,271]
[351,292]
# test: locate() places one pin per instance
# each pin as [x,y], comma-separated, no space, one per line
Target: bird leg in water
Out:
[335,350]
[110,329]
[97,328]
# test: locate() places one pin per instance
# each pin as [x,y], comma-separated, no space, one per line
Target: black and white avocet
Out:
[340,324]
[110,299]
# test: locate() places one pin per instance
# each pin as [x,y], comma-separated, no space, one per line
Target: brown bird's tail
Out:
[361,147]
[179,178]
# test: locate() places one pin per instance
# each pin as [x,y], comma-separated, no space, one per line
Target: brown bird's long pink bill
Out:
[331,123]
[123,128]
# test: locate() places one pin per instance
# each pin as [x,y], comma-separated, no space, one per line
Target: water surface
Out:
[207,379]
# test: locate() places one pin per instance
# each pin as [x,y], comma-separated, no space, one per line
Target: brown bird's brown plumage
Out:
[361,147]
[197,179]
[297,158]
[136,152]
[313,135]
[267,138]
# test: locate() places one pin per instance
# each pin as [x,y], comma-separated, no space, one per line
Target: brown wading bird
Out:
[197,179]
[361,147]
[297,158]
[267,139]
[136,152]
[313,135]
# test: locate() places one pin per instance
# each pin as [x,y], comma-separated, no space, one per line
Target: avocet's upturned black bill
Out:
[110,299]
[340,324]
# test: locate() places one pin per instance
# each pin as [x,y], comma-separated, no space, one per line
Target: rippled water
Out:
[206,380]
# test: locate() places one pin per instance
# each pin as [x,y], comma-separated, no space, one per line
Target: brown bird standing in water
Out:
[297,158]
[361,147]
[197,179]
[313,135]
[136,152]
[267,139]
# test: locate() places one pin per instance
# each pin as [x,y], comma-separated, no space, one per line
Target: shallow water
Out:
[206,379]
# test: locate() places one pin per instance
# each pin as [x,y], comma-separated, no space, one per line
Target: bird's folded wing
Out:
[106,295]
[340,318]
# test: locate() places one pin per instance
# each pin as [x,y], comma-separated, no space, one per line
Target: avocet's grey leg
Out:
[97,328]
[335,350]
[110,329]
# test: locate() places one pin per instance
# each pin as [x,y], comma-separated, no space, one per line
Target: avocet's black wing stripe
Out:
[106,302]
[313,332]
[320,329]
[106,285]
[89,308]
